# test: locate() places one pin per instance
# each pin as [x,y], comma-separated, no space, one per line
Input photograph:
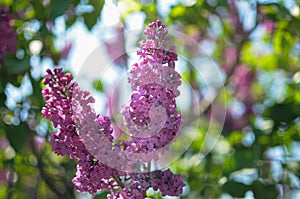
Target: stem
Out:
[10,180]
[118,181]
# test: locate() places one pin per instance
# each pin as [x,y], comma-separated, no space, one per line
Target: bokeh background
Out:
[236,57]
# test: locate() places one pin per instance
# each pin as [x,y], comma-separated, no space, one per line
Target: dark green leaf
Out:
[71,21]
[39,10]
[37,98]
[235,189]
[15,66]
[262,191]
[244,158]
[90,19]
[102,195]
[58,8]
[285,112]
[17,136]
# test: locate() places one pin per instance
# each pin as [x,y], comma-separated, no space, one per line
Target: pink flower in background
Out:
[237,114]
[4,143]
[39,142]
[115,48]
[269,26]
[230,58]
[8,36]
[66,50]
[192,48]
[242,79]
[4,175]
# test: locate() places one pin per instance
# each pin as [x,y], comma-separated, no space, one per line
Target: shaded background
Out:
[254,45]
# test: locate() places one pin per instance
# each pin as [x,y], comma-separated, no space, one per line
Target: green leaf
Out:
[262,191]
[3,82]
[235,189]
[272,16]
[15,66]
[177,11]
[7,2]
[98,85]
[284,112]
[16,136]
[71,21]
[283,43]
[90,19]
[58,8]
[39,9]
[102,195]
[267,62]
[243,158]
[37,98]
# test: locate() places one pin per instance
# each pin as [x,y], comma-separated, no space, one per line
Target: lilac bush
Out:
[121,167]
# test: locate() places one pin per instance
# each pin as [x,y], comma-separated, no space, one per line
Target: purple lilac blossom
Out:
[83,135]
[155,84]
[62,93]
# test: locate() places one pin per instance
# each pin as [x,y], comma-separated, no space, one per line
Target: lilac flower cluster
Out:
[61,94]
[8,37]
[123,169]
[155,85]
[165,181]
[157,63]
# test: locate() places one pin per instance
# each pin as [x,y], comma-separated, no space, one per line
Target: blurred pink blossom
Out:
[242,79]
[4,143]
[230,59]
[4,175]
[269,26]
[8,36]
[66,50]
[39,142]
[115,48]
